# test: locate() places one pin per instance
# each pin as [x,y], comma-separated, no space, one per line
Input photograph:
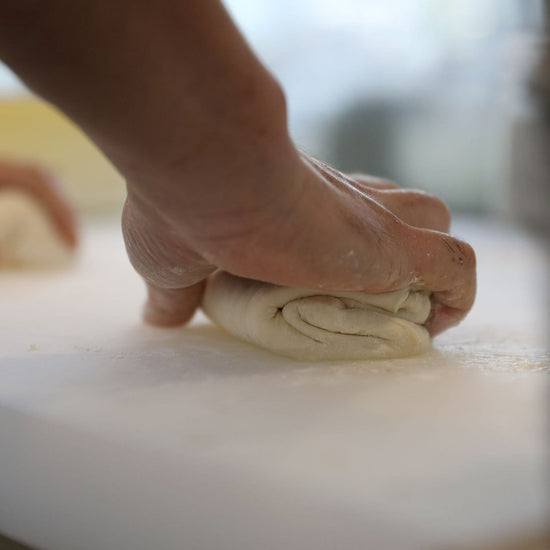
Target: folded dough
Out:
[27,236]
[314,325]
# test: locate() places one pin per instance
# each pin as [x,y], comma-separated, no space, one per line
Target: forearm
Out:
[163,81]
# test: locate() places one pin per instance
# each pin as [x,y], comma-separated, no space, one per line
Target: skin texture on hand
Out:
[173,95]
[40,185]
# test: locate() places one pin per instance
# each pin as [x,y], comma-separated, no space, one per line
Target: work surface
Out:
[115,435]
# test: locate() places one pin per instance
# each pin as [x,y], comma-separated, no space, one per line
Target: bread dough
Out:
[27,236]
[314,325]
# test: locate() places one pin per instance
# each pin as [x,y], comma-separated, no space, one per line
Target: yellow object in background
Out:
[33,131]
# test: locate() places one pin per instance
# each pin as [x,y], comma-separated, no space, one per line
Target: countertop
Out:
[116,435]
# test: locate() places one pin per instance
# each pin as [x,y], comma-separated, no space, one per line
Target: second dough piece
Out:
[28,239]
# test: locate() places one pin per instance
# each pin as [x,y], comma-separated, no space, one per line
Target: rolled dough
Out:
[314,325]
[27,236]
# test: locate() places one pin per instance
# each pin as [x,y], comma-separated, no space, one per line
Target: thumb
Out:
[170,307]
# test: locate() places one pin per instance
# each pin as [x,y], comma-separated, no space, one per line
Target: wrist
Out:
[238,147]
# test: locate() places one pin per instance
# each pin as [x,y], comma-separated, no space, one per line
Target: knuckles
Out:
[417,208]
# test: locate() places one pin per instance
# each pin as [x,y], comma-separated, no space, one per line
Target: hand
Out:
[303,224]
[41,186]
[213,178]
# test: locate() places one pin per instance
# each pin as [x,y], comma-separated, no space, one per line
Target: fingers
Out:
[40,185]
[443,264]
[406,229]
[447,267]
[416,208]
[166,307]
[373,182]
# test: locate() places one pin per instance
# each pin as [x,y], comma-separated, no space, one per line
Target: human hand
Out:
[300,223]
[214,181]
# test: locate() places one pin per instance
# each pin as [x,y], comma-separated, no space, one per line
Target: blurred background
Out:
[432,94]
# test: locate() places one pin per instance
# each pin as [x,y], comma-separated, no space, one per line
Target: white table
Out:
[117,436]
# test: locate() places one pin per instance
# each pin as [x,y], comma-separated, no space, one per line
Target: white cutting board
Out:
[114,435]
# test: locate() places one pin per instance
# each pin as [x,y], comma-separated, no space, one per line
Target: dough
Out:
[314,325]
[27,236]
